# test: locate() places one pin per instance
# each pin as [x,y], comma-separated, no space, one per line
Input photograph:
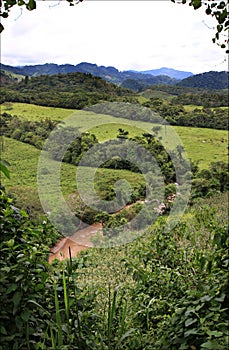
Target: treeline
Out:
[209,80]
[193,96]
[175,114]
[204,98]
[32,132]
[73,90]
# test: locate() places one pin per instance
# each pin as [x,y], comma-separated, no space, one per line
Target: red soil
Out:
[78,242]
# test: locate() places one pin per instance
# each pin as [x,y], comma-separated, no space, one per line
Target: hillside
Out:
[202,144]
[72,90]
[208,80]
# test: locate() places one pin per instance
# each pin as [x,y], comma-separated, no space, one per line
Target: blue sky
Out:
[136,35]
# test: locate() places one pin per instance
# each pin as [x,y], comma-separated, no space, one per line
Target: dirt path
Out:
[79,241]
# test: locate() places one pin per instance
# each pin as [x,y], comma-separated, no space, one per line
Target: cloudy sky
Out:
[136,35]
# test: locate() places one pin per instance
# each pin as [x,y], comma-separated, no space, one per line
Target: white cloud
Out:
[125,34]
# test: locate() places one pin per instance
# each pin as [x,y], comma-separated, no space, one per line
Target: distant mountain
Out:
[170,72]
[109,74]
[133,80]
[209,80]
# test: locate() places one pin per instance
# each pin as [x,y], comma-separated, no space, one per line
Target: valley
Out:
[135,277]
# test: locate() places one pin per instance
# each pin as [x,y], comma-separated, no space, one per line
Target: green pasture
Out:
[23,159]
[190,108]
[148,93]
[34,112]
[202,145]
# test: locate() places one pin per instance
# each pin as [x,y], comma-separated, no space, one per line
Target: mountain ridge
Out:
[171,72]
[134,80]
[109,73]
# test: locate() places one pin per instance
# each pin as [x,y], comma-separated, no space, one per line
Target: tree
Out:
[215,8]
[219,11]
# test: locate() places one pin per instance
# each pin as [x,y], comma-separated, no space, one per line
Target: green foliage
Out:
[42,307]
[32,132]
[219,11]
[208,181]
[4,168]
[208,80]
[177,114]
[72,90]
[188,95]
[171,288]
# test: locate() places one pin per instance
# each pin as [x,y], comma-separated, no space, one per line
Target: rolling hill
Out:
[209,80]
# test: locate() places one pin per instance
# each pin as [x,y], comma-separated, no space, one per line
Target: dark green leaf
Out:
[197,4]
[11,288]
[3,330]
[208,11]
[4,170]
[214,333]
[31,5]
[190,321]
[25,315]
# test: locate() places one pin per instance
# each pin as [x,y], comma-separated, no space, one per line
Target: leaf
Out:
[220,298]
[124,336]
[196,4]
[206,298]
[31,5]
[190,332]
[4,169]
[210,345]
[1,27]
[190,321]
[16,300]
[25,315]
[3,330]
[208,10]
[214,333]
[11,288]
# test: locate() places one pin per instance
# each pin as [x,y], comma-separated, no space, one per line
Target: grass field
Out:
[190,108]
[23,159]
[147,94]
[34,112]
[202,145]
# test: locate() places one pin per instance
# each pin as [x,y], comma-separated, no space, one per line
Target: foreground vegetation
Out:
[167,290]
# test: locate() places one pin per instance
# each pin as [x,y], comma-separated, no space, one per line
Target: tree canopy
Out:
[215,8]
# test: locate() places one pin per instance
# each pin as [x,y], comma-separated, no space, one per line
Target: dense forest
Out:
[73,90]
[209,80]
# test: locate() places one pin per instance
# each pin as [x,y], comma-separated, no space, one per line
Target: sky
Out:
[129,35]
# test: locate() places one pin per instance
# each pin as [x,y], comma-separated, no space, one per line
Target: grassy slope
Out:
[23,183]
[203,145]
[34,112]
[106,266]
